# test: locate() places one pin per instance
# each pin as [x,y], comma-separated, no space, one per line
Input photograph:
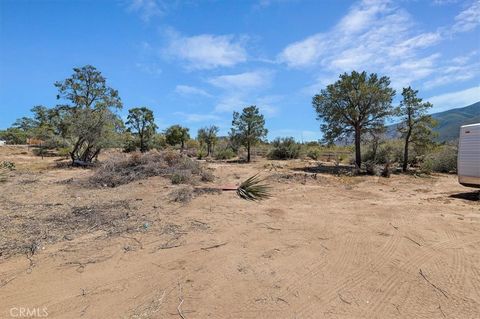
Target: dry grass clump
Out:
[182,194]
[19,232]
[123,168]
[207,176]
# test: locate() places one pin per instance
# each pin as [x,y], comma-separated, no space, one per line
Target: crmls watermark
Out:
[26,312]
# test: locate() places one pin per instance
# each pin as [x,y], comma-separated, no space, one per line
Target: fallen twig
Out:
[270,227]
[342,299]
[214,246]
[396,227]
[433,285]
[179,309]
[443,314]
[5,282]
[412,241]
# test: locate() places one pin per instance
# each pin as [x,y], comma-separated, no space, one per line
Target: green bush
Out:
[201,154]
[284,148]
[224,153]
[314,153]
[442,160]
[181,176]
[7,165]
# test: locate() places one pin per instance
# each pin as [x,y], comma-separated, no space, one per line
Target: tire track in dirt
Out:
[411,265]
[355,279]
[294,280]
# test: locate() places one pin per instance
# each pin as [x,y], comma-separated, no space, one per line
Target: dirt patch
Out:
[335,246]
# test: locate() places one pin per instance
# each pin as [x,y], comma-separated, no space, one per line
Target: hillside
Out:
[449,122]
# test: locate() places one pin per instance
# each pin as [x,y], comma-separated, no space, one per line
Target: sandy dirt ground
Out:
[324,246]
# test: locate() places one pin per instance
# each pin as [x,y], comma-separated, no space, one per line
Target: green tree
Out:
[208,136]
[248,128]
[25,124]
[177,134]
[357,103]
[415,126]
[87,120]
[14,135]
[141,122]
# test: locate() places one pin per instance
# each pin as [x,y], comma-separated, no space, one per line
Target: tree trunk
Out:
[183,144]
[248,152]
[405,152]
[142,146]
[358,154]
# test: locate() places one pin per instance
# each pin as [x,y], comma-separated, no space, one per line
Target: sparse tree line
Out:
[354,109]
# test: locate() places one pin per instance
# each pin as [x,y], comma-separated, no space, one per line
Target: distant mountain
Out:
[449,122]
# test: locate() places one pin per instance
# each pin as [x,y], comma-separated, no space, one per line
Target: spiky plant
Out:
[253,189]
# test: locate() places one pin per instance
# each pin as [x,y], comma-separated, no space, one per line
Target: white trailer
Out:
[468,164]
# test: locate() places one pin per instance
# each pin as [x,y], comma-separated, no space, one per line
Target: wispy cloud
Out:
[243,81]
[191,90]
[456,99]
[206,51]
[376,36]
[373,35]
[468,19]
[268,104]
[147,9]
[196,118]
[459,69]
[243,89]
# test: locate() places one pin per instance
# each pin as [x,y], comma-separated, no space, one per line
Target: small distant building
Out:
[2,142]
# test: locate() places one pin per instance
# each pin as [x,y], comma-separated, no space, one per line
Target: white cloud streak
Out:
[147,9]
[242,81]
[456,99]
[468,19]
[191,90]
[206,51]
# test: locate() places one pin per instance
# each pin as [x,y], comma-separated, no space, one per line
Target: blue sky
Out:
[195,62]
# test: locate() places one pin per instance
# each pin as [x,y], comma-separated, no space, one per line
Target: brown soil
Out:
[324,246]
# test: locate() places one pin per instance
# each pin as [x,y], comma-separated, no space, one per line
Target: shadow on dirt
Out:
[328,169]
[472,196]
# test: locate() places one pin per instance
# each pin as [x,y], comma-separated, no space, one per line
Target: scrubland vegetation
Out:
[352,112]
[109,219]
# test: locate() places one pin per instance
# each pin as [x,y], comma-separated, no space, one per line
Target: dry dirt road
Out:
[323,246]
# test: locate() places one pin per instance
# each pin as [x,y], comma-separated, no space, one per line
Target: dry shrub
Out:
[123,168]
[207,176]
[183,194]
[181,177]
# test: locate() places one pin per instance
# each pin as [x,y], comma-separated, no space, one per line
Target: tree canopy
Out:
[177,134]
[140,121]
[248,128]
[355,104]
[416,125]
[208,136]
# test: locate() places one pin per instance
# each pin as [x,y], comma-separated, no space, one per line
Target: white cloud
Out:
[455,99]
[268,105]
[374,35]
[150,68]
[468,19]
[206,51]
[194,117]
[459,69]
[242,81]
[148,8]
[191,90]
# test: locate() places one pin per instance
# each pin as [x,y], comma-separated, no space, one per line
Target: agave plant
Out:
[253,189]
